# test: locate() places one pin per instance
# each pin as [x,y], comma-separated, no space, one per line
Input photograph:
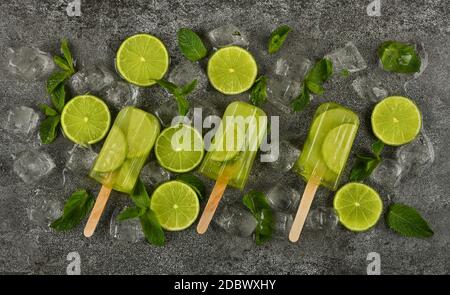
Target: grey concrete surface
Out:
[319,27]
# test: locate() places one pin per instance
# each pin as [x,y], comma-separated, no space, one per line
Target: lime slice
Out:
[358,206]
[337,145]
[143,129]
[179,148]
[175,204]
[227,145]
[125,179]
[232,70]
[85,119]
[142,59]
[396,120]
[113,153]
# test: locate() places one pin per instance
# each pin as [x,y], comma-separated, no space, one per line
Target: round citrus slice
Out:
[85,119]
[232,70]
[113,153]
[396,120]
[358,206]
[142,59]
[179,148]
[175,204]
[143,130]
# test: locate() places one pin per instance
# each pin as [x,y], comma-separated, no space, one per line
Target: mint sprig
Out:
[258,93]
[191,45]
[257,204]
[56,89]
[277,38]
[179,93]
[149,222]
[76,209]
[194,182]
[399,57]
[407,222]
[366,163]
[313,83]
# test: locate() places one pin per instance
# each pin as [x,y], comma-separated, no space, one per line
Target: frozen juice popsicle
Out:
[122,156]
[324,155]
[232,152]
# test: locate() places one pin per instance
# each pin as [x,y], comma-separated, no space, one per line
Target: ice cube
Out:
[43,209]
[227,35]
[282,156]
[322,218]
[369,89]
[23,120]
[416,157]
[30,63]
[292,68]
[388,173]
[203,114]
[235,220]
[282,225]
[92,79]
[185,72]
[80,159]
[282,91]
[168,115]
[347,58]
[152,174]
[120,94]
[32,165]
[283,197]
[129,230]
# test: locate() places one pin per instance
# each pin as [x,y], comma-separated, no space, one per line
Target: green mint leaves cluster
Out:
[180,93]
[257,204]
[76,209]
[366,163]
[399,57]
[57,91]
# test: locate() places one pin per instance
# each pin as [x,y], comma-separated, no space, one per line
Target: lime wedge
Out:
[143,129]
[175,204]
[232,70]
[113,153]
[358,206]
[337,145]
[142,59]
[85,119]
[179,148]
[396,120]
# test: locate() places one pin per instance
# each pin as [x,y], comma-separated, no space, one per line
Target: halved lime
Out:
[85,119]
[396,120]
[142,59]
[113,153]
[358,206]
[175,204]
[143,130]
[179,148]
[232,70]
[337,145]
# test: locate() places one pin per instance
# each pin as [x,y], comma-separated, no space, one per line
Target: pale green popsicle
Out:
[126,149]
[235,144]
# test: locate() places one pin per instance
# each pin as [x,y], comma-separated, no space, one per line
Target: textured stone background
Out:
[320,26]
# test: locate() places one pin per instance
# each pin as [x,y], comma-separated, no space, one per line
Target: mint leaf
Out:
[278,37]
[314,87]
[258,94]
[169,86]
[407,222]
[194,182]
[179,94]
[302,100]
[183,105]
[47,129]
[58,97]
[188,88]
[76,208]
[399,57]
[191,45]
[363,167]
[345,73]
[55,80]
[319,74]
[129,213]
[67,55]
[61,63]
[377,148]
[140,196]
[48,111]
[257,204]
[151,228]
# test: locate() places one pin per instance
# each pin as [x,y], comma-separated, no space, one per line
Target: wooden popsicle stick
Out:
[303,209]
[211,206]
[96,213]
